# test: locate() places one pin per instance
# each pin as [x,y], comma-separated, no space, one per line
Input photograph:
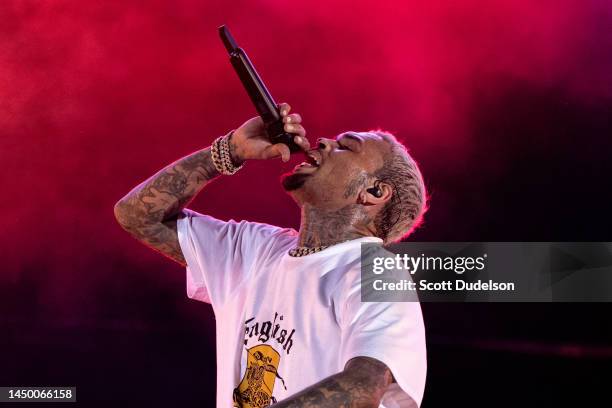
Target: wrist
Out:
[221,156]
[234,151]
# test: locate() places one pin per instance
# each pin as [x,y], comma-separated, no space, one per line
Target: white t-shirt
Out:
[284,323]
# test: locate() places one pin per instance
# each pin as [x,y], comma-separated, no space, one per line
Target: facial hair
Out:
[293,181]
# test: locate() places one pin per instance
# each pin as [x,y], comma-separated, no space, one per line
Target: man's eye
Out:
[342,147]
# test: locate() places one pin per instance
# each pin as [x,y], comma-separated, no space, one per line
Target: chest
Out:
[290,308]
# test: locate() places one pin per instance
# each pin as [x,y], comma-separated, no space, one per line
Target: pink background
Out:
[506,105]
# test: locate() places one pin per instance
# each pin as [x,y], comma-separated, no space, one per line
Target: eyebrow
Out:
[351,136]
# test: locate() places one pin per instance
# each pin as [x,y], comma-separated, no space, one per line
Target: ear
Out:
[367,198]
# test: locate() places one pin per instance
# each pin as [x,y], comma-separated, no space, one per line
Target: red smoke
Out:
[97,95]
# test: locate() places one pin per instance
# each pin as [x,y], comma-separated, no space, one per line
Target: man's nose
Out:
[325,144]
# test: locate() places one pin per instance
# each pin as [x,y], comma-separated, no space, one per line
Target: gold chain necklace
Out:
[303,251]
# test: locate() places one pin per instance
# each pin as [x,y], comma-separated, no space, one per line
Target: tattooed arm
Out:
[150,211]
[361,384]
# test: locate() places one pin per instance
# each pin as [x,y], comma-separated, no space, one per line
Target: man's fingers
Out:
[284,151]
[292,118]
[302,142]
[296,129]
[284,109]
[279,149]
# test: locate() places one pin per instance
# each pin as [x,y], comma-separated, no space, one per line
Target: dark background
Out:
[506,105]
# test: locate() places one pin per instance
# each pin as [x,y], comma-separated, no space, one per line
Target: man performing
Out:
[291,328]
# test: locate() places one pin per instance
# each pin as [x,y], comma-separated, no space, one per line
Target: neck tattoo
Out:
[321,228]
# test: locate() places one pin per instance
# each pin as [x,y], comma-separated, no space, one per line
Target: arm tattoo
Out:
[362,384]
[149,212]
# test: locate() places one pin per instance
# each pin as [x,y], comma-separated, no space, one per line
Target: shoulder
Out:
[240,237]
[353,276]
[252,229]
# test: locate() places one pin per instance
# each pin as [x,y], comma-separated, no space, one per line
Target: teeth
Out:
[315,159]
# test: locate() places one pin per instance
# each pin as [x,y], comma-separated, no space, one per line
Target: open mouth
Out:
[313,161]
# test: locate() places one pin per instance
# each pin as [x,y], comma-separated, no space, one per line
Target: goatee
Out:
[293,181]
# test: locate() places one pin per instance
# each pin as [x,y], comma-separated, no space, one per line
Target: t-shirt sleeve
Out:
[220,254]
[391,332]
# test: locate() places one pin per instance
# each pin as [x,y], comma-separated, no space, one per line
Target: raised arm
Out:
[150,211]
[361,384]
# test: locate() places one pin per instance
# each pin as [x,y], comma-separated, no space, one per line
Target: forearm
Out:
[149,211]
[362,384]
[166,193]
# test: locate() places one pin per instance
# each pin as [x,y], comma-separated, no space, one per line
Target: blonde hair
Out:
[404,212]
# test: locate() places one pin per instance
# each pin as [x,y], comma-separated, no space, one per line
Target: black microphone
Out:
[259,94]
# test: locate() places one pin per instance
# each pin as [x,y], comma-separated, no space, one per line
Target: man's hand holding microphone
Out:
[251,141]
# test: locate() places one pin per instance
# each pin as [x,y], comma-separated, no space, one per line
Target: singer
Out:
[291,328]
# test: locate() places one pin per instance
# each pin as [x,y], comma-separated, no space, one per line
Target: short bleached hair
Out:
[404,211]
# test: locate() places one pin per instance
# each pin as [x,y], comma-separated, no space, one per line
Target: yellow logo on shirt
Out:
[255,389]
